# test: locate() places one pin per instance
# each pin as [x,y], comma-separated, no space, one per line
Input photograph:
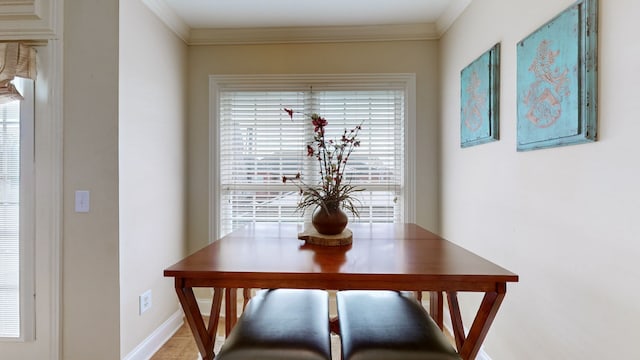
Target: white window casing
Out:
[253,143]
[17,216]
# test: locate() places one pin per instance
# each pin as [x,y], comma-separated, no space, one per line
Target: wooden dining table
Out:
[403,257]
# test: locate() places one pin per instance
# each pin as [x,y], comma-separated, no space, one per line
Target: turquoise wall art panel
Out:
[557,78]
[479,93]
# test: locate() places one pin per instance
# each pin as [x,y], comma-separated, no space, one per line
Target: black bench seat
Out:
[281,324]
[389,325]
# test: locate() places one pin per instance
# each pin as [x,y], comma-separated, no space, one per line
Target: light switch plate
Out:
[83,201]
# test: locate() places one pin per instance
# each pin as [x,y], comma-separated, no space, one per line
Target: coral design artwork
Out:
[545,95]
[475,104]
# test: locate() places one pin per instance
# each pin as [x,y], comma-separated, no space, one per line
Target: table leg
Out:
[246,296]
[214,314]
[481,324]
[204,339]
[436,305]
[469,346]
[230,309]
[456,318]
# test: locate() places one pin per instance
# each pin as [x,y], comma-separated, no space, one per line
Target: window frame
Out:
[26,250]
[219,83]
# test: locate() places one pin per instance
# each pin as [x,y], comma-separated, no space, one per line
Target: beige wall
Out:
[419,57]
[124,140]
[90,291]
[564,219]
[152,166]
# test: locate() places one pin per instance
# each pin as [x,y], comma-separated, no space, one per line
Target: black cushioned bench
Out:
[281,324]
[389,325]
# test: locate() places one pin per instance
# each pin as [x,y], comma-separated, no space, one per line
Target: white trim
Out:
[214,158]
[204,305]
[27,214]
[158,337]
[26,207]
[48,185]
[455,9]
[169,18]
[55,110]
[328,81]
[29,19]
[318,34]
[482,355]
[410,152]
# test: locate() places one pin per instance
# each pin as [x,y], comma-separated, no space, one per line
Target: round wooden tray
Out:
[311,236]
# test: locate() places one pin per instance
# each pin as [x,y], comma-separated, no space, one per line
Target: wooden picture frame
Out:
[557,80]
[479,93]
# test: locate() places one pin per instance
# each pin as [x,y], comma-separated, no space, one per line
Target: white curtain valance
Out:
[16,59]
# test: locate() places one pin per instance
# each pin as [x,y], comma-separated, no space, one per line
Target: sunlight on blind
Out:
[259,144]
[9,219]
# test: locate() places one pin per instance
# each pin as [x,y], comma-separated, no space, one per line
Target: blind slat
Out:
[9,219]
[259,143]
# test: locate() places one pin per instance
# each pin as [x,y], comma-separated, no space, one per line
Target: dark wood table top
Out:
[382,256]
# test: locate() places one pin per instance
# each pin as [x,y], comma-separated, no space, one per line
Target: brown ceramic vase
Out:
[329,223]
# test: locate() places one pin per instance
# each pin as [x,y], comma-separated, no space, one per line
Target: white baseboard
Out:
[204,305]
[159,337]
[482,355]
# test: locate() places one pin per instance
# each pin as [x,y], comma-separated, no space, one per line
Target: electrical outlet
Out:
[145,301]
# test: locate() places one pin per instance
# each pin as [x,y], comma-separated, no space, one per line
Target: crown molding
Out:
[169,18]
[450,15]
[289,35]
[294,35]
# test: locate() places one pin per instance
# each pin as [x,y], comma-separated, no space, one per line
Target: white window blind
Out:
[9,219]
[259,143]
[17,215]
